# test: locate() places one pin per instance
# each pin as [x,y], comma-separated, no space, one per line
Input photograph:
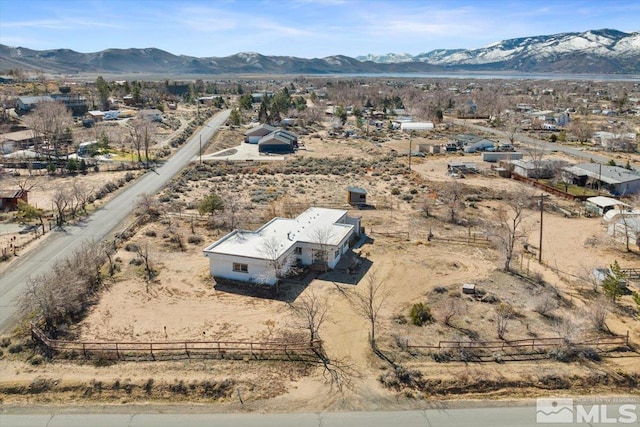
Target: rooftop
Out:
[315,225]
[604,173]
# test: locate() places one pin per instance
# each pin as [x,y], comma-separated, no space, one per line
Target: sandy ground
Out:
[182,304]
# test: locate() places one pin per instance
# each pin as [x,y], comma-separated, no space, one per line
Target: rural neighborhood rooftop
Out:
[312,225]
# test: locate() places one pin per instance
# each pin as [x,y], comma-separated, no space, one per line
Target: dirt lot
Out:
[181,303]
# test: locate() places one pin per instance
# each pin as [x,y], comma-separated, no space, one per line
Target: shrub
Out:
[194,239]
[395,191]
[442,356]
[420,314]
[150,233]
[131,247]
[37,360]
[5,342]
[15,348]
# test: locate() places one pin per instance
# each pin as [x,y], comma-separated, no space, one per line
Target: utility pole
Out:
[542,196]
[200,148]
[410,135]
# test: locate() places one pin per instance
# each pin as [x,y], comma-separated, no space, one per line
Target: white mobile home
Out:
[318,236]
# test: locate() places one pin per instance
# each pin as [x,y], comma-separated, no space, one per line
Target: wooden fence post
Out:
[117,352]
[186,350]
[84,350]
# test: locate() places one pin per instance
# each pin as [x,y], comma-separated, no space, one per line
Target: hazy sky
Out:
[303,28]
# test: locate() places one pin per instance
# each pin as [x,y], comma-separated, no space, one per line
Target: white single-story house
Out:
[318,236]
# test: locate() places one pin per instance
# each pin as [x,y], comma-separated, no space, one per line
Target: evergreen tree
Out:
[235,117]
[613,284]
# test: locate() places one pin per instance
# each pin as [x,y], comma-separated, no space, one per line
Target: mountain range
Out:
[603,51]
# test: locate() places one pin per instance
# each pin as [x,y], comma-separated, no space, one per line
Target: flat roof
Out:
[315,225]
[604,202]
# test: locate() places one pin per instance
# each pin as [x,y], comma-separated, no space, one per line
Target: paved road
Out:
[549,146]
[102,223]
[511,416]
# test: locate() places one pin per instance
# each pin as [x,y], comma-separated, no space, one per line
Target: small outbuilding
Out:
[9,199]
[600,205]
[356,196]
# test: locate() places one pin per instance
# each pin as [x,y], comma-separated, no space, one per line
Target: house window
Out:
[298,251]
[241,268]
[337,254]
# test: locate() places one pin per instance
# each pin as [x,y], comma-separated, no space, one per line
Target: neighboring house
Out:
[616,180]
[87,149]
[537,169]
[95,115]
[152,114]
[279,141]
[616,141]
[495,156]
[317,237]
[9,199]
[28,103]
[473,143]
[600,205]
[19,139]
[253,135]
[461,167]
[416,126]
[356,196]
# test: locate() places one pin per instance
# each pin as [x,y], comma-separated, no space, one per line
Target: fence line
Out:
[150,350]
[532,343]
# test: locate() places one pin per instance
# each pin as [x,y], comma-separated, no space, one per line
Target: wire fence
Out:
[521,349]
[168,350]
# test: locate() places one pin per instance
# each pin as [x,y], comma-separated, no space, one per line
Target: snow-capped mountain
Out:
[559,52]
[591,52]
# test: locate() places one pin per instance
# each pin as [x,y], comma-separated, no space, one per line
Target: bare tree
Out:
[143,255]
[544,303]
[450,311]
[597,313]
[142,132]
[452,197]
[569,329]
[233,208]
[504,313]
[509,228]
[282,264]
[53,120]
[67,288]
[368,302]
[81,193]
[582,130]
[148,206]
[511,127]
[536,153]
[61,200]
[310,313]
[321,236]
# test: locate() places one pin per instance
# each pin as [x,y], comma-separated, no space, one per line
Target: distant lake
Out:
[494,76]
